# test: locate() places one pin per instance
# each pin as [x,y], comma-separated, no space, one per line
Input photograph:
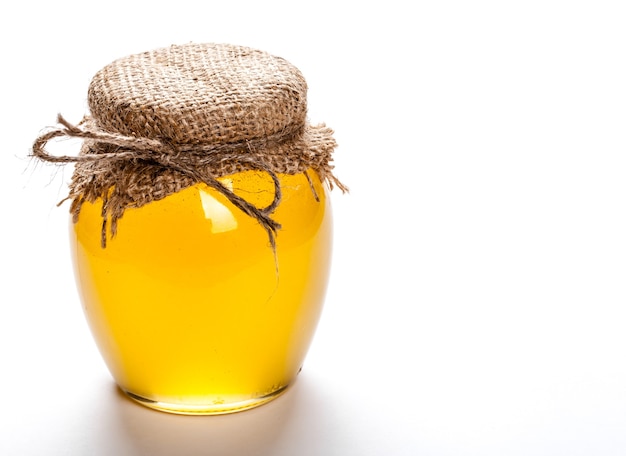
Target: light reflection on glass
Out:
[221,217]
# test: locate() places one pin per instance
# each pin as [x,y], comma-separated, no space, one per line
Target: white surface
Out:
[478,290]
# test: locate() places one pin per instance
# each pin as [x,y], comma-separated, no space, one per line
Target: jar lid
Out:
[200,93]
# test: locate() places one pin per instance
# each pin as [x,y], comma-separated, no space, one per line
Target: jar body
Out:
[191,309]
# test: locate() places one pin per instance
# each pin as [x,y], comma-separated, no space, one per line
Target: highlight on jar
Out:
[201,226]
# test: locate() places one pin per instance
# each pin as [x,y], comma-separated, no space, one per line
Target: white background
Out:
[479,281]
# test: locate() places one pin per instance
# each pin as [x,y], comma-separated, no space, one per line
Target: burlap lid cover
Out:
[167,119]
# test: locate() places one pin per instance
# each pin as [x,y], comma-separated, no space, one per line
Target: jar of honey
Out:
[202,226]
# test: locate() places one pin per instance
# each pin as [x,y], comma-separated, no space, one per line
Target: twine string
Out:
[184,159]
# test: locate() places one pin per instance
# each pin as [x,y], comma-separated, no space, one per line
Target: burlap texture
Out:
[166,119]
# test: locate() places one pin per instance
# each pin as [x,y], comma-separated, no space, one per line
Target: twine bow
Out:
[191,160]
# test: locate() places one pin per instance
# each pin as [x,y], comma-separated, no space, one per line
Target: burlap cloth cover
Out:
[170,118]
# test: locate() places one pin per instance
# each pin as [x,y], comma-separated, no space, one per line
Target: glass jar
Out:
[201,227]
[191,308]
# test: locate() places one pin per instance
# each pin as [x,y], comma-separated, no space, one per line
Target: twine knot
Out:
[164,154]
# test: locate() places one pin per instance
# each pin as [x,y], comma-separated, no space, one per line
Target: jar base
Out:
[215,408]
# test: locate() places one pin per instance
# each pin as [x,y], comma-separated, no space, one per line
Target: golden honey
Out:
[192,310]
